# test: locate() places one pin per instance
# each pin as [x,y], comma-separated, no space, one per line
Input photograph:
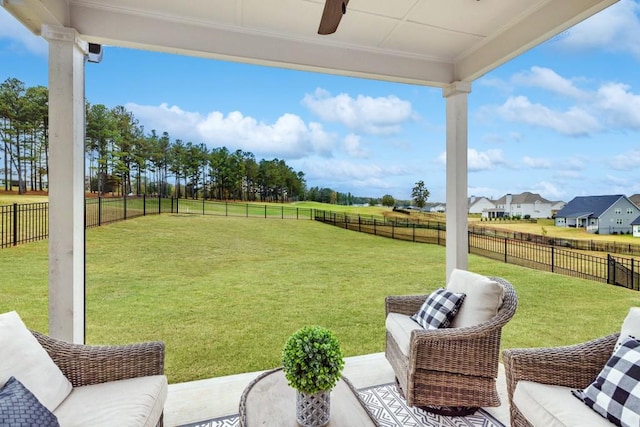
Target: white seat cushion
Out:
[483,297]
[133,402]
[554,406]
[23,357]
[400,327]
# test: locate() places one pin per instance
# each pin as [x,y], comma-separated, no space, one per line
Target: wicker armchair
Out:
[574,366]
[452,367]
[86,365]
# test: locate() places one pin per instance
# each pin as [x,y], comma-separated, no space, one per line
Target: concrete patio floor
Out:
[195,401]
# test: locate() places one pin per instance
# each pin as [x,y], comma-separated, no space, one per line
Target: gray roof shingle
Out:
[582,205]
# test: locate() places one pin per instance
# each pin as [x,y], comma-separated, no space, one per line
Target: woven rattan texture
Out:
[452,366]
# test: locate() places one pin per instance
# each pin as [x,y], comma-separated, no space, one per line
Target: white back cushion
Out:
[483,297]
[23,357]
[630,326]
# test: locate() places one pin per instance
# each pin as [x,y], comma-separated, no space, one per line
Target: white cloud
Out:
[479,161]
[575,121]
[616,181]
[548,79]
[622,108]
[353,147]
[615,29]
[370,176]
[626,161]
[548,190]
[288,137]
[488,192]
[377,116]
[611,105]
[574,164]
[20,37]
[536,163]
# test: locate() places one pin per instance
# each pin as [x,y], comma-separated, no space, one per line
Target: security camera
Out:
[95,53]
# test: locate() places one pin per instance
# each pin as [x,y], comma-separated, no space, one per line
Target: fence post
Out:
[553,258]
[374,227]
[125,205]
[159,203]
[15,224]
[265,211]
[203,204]
[281,212]
[99,210]
[359,223]
[414,232]
[393,230]
[615,268]
[633,286]
[505,249]
[144,204]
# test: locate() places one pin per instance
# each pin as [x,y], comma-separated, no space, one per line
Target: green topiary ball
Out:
[312,360]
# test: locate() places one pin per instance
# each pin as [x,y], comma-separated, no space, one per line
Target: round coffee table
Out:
[269,401]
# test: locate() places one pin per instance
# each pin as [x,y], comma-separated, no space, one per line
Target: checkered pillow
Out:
[439,309]
[615,393]
[19,407]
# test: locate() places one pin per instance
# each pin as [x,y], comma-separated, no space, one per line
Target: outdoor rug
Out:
[390,410]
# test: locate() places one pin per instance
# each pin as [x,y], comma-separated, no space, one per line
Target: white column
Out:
[66,183]
[457,238]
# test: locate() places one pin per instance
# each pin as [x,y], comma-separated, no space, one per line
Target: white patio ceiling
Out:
[430,42]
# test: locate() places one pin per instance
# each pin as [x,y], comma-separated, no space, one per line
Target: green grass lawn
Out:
[11,198]
[224,293]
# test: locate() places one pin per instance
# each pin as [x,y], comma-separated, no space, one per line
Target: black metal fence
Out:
[22,223]
[613,270]
[579,244]
[425,232]
[623,272]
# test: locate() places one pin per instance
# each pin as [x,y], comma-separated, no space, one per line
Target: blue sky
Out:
[562,120]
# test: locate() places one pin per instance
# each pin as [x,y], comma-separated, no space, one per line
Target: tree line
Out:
[124,159]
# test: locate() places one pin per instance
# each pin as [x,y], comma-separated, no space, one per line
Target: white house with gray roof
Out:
[513,205]
[609,214]
[478,205]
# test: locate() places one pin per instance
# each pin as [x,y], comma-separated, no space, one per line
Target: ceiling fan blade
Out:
[331,16]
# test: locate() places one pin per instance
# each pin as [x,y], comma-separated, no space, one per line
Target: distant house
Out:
[611,214]
[518,205]
[440,207]
[478,205]
[556,207]
[635,225]
[635,199]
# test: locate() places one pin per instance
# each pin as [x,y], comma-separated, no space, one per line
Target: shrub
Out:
[312,360]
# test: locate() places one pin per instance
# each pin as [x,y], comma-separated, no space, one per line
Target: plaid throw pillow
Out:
[615,394]
[439,309]
[19,407]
